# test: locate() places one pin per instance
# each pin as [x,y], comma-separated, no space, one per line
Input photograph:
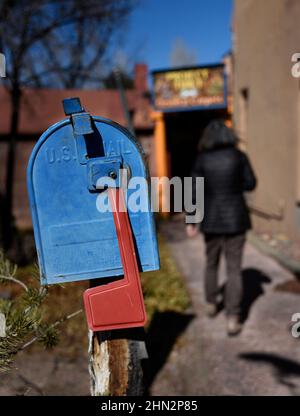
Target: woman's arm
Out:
[197,171]
[249,179]
[192,230]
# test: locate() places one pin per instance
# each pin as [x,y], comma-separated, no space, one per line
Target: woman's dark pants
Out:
[232,247]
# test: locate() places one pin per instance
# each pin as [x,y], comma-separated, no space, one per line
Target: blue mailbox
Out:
[74,239]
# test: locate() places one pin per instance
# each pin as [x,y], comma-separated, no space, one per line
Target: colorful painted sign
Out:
[190,88]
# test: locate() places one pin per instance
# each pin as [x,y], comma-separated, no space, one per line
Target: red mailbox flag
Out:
[119,304]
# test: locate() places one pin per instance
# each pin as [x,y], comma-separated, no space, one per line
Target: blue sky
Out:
[154,26]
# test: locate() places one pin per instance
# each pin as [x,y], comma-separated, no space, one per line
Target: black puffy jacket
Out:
[227,175]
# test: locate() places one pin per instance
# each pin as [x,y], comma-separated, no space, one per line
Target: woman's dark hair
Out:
[217,135]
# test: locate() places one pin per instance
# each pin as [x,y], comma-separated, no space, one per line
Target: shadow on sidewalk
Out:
[284,368]
[253,281]
[162,334]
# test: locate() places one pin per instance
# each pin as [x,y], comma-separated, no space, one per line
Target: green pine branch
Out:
[22,317]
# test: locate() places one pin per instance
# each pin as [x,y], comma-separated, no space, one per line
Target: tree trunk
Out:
[7,215]
[115,362]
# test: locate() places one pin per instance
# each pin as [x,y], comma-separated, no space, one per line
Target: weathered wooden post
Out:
[88,225]
[115,364]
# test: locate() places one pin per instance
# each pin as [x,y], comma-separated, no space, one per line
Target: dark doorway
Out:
[184,130]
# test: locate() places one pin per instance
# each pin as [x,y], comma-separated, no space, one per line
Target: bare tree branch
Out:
[51,43]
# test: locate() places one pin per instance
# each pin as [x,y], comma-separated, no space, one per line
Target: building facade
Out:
[169,137]
[40,108]
[267,108]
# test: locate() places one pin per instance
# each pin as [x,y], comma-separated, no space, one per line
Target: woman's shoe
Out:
[234,325]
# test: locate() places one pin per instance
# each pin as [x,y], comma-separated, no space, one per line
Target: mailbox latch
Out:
[104,172]
[81,120]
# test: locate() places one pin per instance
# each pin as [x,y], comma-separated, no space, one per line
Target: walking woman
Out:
[227,175]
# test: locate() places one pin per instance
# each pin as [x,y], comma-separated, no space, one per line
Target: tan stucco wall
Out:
[265,35]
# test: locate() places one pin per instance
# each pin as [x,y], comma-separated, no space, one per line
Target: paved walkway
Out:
[263,360]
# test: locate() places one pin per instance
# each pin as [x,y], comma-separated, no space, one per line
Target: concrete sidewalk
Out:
[263,360]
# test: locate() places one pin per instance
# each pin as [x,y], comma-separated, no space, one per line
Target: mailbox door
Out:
[74,239]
